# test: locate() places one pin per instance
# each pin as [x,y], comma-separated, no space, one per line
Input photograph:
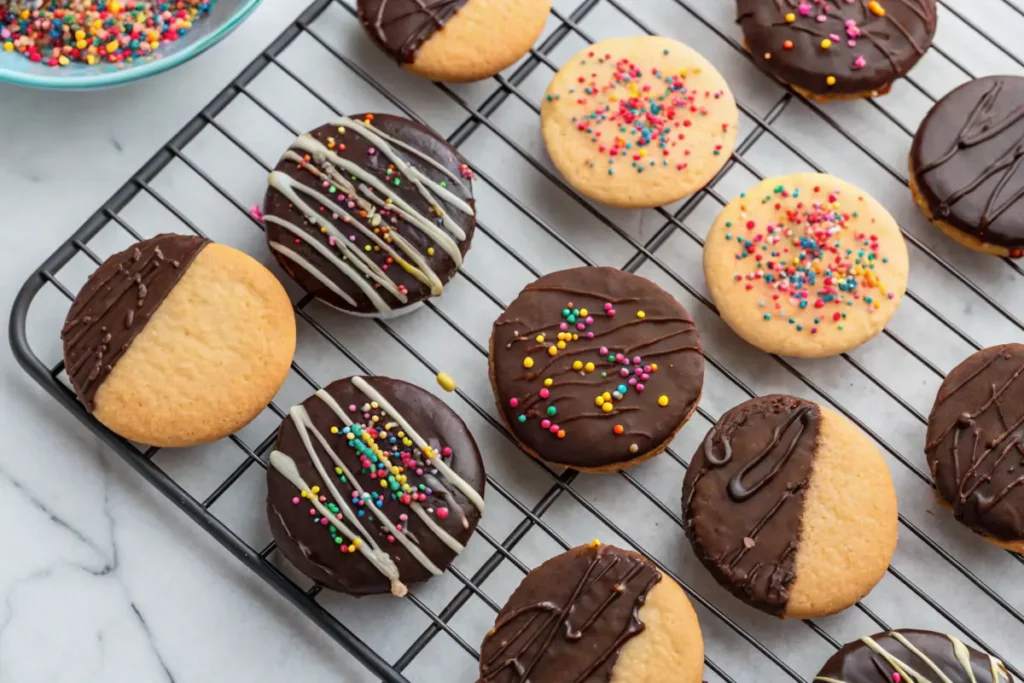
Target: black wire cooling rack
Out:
[948,579]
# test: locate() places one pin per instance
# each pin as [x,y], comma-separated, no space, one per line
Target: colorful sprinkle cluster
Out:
[388,456]
[639,117]
[632,371]
[62,32]
[809,257]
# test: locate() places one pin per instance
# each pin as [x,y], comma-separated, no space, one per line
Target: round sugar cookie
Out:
[371,214]
[910,655]
[837,50]
[596,612]
[178,341]
[639,122]
[790,507]
[974,444]
[374,484]
[961,165]
[806,265]
[595,368]
[454,40]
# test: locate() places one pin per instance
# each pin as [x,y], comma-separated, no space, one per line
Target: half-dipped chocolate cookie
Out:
[595,368]
[372,213]
[374,484]
[837,50]
[178,341]
[790,507]
[975,449]
[595,613]
[965,165]
[910,655]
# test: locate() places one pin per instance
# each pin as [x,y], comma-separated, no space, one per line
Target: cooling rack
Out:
[206,178]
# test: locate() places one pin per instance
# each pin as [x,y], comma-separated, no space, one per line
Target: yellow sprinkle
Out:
[577,365]
[446,381]
[641,314]
[607,395]
[589,367]
[575,337]
[552,350]
[430,251]
[654,367]
[831,80]
[373,404]
[876,8]
[315,490]
[548,382]
[643,152]
[663,400]
[584,312]
[9,46]
[599,401]
[561,345]
[334,430]
[595,543]
[826,43]
[79,34]
[608,407]
[527,362]
[791,17]
[383,484]
[112,46]
[539,338]
[350,436]
[304,494]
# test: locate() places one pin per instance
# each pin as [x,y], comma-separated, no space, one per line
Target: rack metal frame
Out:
[562,484]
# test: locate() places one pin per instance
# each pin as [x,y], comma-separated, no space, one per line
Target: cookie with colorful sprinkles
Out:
[454,40]
[638,122]
[374,484]
[595,613]
[371,213]
[806,265]
[595,368]
[837,49]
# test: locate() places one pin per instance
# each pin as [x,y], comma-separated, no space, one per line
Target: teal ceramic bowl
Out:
[224,17]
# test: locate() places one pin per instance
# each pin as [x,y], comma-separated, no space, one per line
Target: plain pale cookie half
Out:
[639,122]
[849,524]
[806,265]
[208,361]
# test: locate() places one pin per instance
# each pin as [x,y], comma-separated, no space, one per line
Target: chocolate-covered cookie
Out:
[594,613]
[595,368]
[910,655]
[371,213]
[790,507]
[374,484]
[974,447]
[837,50]
[965,165]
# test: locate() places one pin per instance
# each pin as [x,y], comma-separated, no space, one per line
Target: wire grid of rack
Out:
[531,222]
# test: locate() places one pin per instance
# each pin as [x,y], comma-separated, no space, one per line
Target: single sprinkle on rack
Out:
[63,32]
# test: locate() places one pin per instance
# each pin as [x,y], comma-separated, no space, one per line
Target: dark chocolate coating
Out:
[665,336]
[890,44]
[743,496]
[116,303]
[966,160]
[353,147]
[858,663]
[310,546]
[569,618]
[974,444]
[399,27]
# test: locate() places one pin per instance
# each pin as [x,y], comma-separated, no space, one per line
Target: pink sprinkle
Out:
[442,513]
[607,306]
[513,402]
[647,368]
[446,451]
[852,43]
[804,9]
[632,381]
[344,548]
[330,241]
[589,320]
[295,500]
[624,372]
[639,387]
[256,213]
[352,408]
[324,521]
[619,357]
[835,37]
[590,335]
[611,313]
[603,350]
[860,62]
[312,512]
[636,360]
[545,424]
[644,376]
[403,517]
[372,150]
[563,326]
[553,429]
[896,678]
[544,393]
[821,18]
[391,538]
[581,326]
[323,499]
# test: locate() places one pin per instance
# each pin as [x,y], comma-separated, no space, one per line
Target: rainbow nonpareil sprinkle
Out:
[63,32]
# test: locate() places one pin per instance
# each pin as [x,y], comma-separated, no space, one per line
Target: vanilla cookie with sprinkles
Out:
[454,40]
[806,265]
[595,368]
[374,484]
[371,213]
[837,50]
[790,507]
[177,341]
[639,122]
[595,613]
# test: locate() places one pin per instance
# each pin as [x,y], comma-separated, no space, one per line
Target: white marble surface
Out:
[103,580]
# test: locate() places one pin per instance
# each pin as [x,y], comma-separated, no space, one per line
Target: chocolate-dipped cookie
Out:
[595,613]
[177,341]
[374,484]
[974,447]
[964,165]
[595,368]
[371,213]
[837,50]
[454,40]
[910,655]
[790,507]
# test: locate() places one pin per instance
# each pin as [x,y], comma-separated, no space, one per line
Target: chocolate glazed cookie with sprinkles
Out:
[595,368]
[454,40]
[595,614]
[639,122]
[837,49]
[790,507]
[372,213]
[975,444]
[374,484]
